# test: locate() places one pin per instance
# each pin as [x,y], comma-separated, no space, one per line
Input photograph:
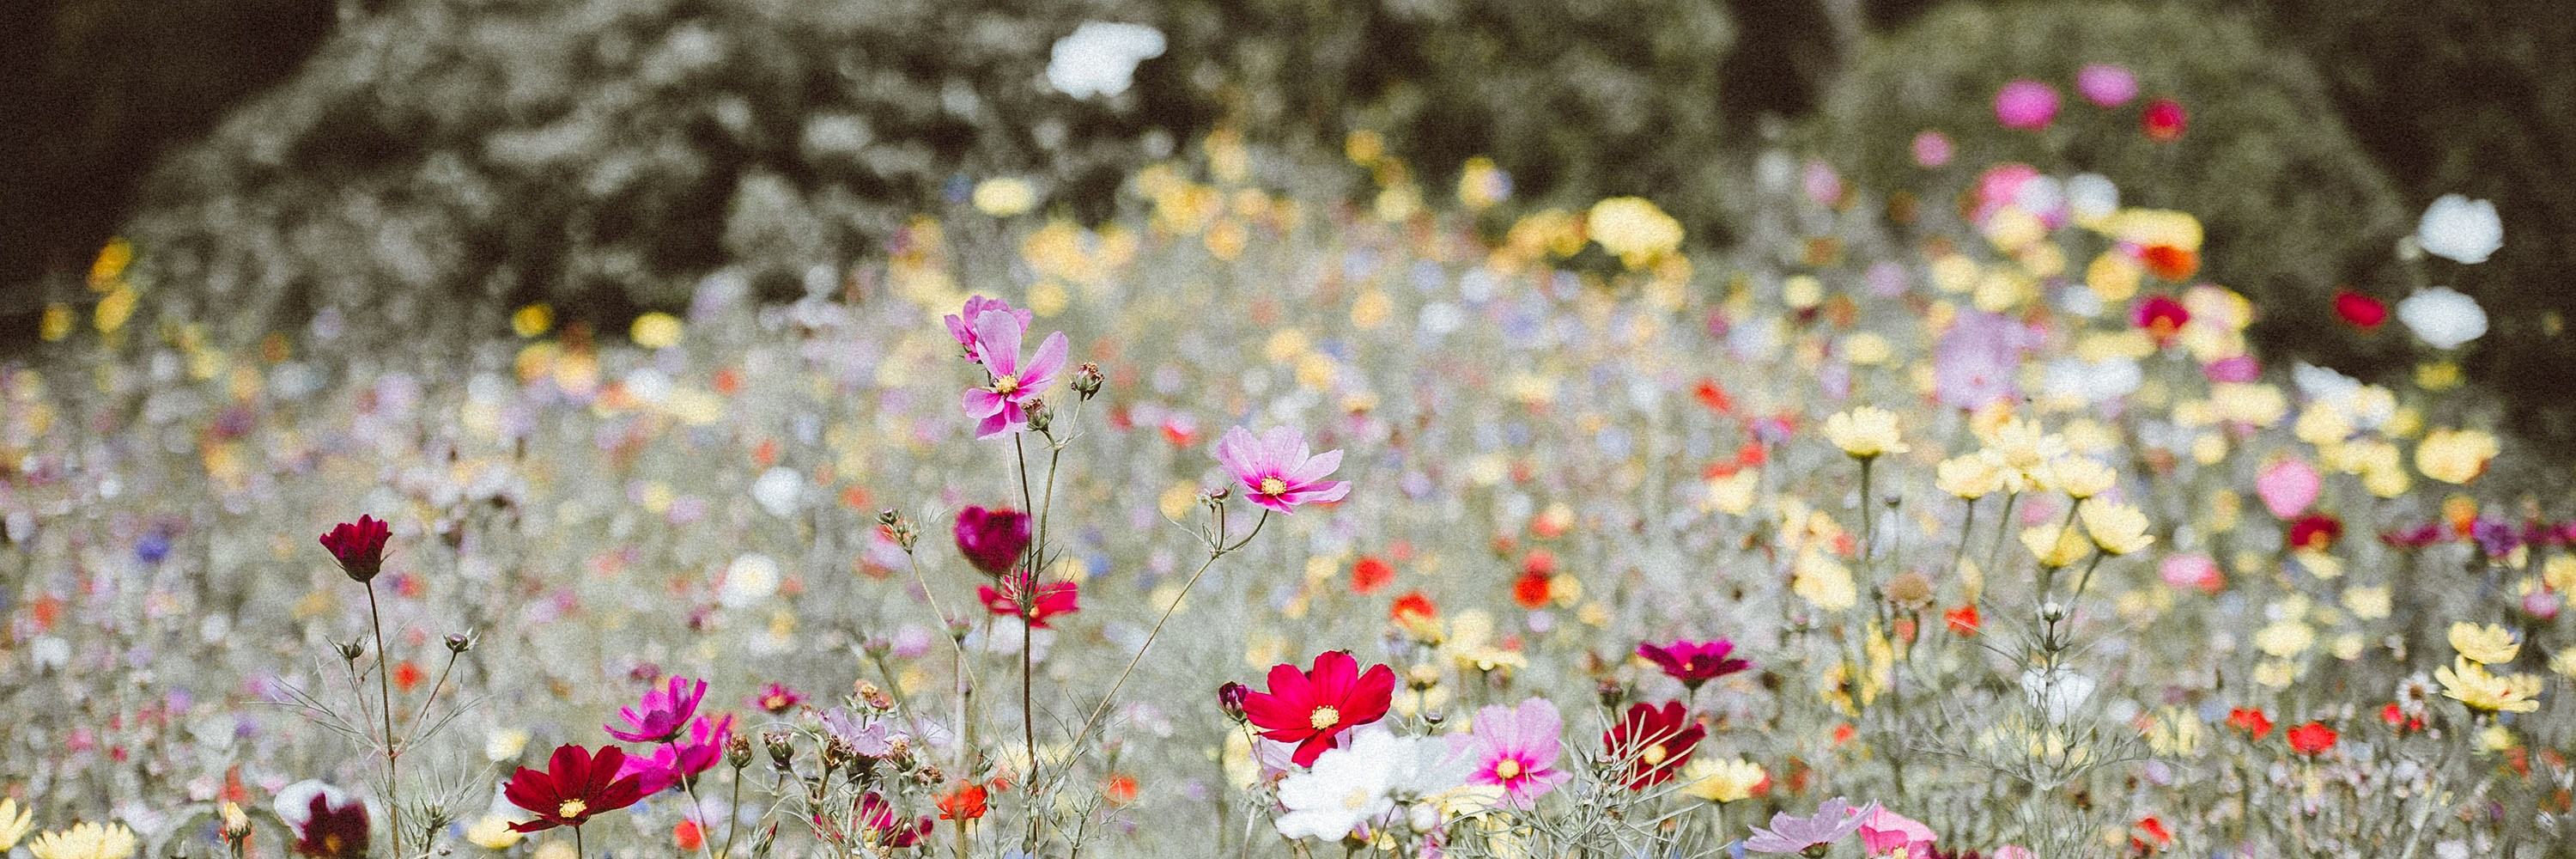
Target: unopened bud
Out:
[459,642]
[351,650]
[1041,416]
[1086,380]
[1611,693]
[1230,698]
[781,751]
[888,517]
[738,751]
[236,823]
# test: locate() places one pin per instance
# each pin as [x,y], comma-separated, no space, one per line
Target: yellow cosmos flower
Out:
[2054,546]
[2081,477]
[2116,529]
[1865,432]
[2474,686]
[1633,229]
[1722,780]
[492,833]
[2455,455]
[1969,477]
[1824,582]
[86,841]
[2491,644]
[14,823]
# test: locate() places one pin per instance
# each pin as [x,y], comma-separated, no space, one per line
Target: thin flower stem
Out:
[1218,550]
[2003,531]
[697,807]
[422,717]
[733,816]
[577,850]
[385,694]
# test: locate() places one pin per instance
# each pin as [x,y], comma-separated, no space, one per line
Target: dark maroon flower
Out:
[1694,663]
[327,822]
[359,547]
[2417,537]
[1650,743]
[1229,698]
[992,539]
[575,786]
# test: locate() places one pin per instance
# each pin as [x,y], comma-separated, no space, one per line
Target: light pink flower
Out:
[1001,405]
[2026,104]
[2106,85]
[1278,468]
[1515,748]
[1932,149]
[2288,488]
[962,326]
[1882,831]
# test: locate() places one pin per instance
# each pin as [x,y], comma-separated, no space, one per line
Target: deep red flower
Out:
[1022,596]
[359,547]
[327,822]
[1370,575]
[2360,311]
[993,539]
[2311,739]
[1310,708]
[2161,316]
[1694,663]
[964,803]
[576,785]
[2251,721]
[2163,120]
[1650,743]
[2315,531]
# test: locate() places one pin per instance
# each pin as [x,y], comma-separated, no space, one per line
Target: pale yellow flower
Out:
[1824,582]
[86,841]
[1865,432]
[2491,644]
[2054,546]
[1722,780]
[1633,229]
[2474,686]
[14,823]
[492,833]
[1970,477]
[2081,477]
[1002,198]
[2454,455]
[2116,529]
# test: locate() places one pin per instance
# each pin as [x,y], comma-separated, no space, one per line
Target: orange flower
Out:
[1530,591]
[965,802]
[1370,575]
[2251,721]
[406,675]
[1120,790]
[1963,620]
[2311,739]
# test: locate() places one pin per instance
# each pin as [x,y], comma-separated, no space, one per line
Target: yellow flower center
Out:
[1273,486]
[1507,770]
[1357,800]
[1324,717]
[1654,755]
[572,808]
[1006,385]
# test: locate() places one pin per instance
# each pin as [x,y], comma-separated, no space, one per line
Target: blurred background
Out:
[435,163]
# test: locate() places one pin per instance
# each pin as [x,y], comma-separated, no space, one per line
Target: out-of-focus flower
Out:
[359,547]
[2026,104]
[1004,197]
[2163,121]
[2360,311]
[1969,476]
[1279,469]
[14,823]
[2116,529]
[1835,819]
[2491,644]
[2455,455]
[1310,708]
[992,539]
[2106,85]
[1865,432]
[2288,487]
[2443,317]
[327,822]
[1022,596]
[655,330]
[2057,692]
[1650,744]
[2311,739]
[1723,781]
[576,785]
[659,717]
[1099,58]
[777,699]
[86,841]
[2252,721]
[1515,748]
[1932,149]
[1001,406]
[878,824]
[961,325]
[1694,663]
[1633,229]
[2460,229]
[493,832]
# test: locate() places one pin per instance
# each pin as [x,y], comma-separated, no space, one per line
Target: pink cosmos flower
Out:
[1001,406]
[1932,149]
[1833,821]
[662,714]
[1279,469]
[2288,487]
[962,325]
[2106,85]
[697,754]
[2026,104]
[1884,831]
[1694,663]
[1515,748]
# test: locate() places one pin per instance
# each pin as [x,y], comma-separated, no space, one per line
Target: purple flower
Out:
[1279,469]
[1978,359]
[667,766]
[1833,821]
[2106,85]
[1001,406]
[663,713]
[2497,538]
[1694,663]
[962,325]
[992,539]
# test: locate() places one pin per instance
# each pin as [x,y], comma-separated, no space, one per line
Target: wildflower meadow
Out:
[1321,505]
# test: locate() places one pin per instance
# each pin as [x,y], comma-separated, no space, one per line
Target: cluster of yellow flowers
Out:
[2469,681]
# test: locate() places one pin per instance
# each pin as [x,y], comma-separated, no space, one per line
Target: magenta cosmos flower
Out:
[2106,85]
[1833,821]
[2026,104]
[1883,831]
[992,539]
[663,713]
[1694,663]
[678,760]
[962,325]
[1279,469]
[1001,406]
[1515,749]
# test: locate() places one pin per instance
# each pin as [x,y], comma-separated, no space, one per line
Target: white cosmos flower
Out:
[751,577]
[2443,316]
[779,490]
[1345,788]
[1100,58]
[2058,692]
[2459,229]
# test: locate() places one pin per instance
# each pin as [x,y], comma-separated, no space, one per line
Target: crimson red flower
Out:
[1694,663]
[1310,708]
[992,540]
[359,547]
[1370,575]
[2163,120]
[2161,316]
[1021,596]
[1963,620]
[2311,739]
[2251,721]
[1650,743]
[2360,311]
[576,785]
[2315,531]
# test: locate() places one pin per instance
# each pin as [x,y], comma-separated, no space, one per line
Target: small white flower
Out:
[779,491]
[2058,692]
[1100,58]
[2094,381]
[2091,195]
[749,579]
[2443,316]
[2459,229]
[1347,787]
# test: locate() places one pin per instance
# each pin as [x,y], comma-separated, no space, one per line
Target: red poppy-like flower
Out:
[1370,575]
[992,539]
[1531,591]
[2311,739]
[2251,721]
[964,803]
[2163,120]
[2315,531]
[1963,620]
[1694,663]
[2396,717]
[2151,836]
[1310,708]
[2360,311]
[2174,264]
[1413,609]
[359,547]
[1022,596]
[576,785]
[1650,743]
[2161,316]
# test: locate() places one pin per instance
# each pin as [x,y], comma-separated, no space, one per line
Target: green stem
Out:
[697,808]
[385,692]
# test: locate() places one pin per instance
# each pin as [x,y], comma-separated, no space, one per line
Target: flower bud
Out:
[781,751]
[351,650]
[738,751]
[1611,693]
[236,823]
[1041,417]
[888,517]
[1086,380]
[1230,697]
[459,642]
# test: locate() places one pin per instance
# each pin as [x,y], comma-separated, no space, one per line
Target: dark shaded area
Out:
[94,91]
